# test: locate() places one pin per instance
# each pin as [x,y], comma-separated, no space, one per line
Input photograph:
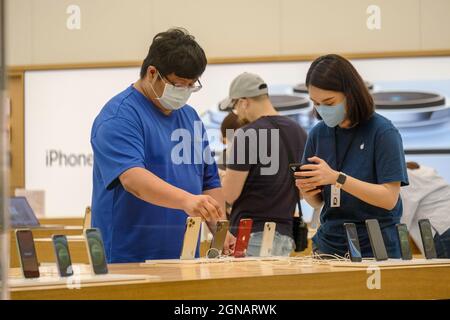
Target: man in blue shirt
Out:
[152,163]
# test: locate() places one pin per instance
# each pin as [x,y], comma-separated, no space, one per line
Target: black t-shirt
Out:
[269,193]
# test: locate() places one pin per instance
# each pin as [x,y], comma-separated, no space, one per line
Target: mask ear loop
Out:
[153,89]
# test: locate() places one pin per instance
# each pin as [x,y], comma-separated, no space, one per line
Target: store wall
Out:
[42,32]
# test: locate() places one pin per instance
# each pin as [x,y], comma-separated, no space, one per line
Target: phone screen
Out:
[97,251]
[353,242]
[403,237]
[62,255]
[427,239]
[30,265]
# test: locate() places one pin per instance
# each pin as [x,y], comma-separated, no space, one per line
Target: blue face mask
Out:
[332,115]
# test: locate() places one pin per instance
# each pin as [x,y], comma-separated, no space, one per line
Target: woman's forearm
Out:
[379,195]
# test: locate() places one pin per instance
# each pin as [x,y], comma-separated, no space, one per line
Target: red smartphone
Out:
[243,235]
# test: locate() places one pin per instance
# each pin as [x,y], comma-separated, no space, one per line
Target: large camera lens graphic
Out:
[96,251]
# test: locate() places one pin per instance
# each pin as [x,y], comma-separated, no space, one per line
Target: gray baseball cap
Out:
[245,85]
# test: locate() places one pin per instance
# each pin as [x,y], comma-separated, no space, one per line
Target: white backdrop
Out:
[61,105]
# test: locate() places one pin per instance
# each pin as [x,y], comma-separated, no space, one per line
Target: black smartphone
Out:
[376,240]
[62,253]
[96,251]
[403,239]
[27,253]
[427,239]
[296,167]
[353,242]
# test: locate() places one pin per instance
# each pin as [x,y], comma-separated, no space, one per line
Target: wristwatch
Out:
[340,180]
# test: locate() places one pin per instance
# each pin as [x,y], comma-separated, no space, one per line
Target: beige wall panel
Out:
[18,32]
[119,30]
[340,26]
[435,24]
[111,30]
[230,28]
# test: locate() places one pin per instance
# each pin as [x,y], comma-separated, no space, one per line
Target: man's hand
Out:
[228,246]
[202,206]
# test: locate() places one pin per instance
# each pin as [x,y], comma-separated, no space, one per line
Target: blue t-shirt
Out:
[375,156]
[131,132]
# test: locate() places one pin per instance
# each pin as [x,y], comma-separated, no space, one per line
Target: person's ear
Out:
[151,73]
[244,103]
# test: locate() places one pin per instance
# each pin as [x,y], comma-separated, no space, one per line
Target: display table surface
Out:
[292,278]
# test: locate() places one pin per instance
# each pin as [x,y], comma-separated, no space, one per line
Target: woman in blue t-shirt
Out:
[355,160]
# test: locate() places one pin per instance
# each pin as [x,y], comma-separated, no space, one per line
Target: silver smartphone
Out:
[267,239]
[190,240]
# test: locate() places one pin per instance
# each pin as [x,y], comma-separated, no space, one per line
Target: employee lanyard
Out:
[339,165]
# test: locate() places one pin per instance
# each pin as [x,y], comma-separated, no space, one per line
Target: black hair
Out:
[335,73]
[175,51]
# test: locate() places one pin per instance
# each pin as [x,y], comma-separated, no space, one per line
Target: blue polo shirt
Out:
[131,132]
[375,155]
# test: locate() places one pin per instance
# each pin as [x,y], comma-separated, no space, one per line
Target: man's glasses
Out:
[192,88]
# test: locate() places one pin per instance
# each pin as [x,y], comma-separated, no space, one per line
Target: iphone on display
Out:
[62,253]
[243,236]
[190,240]
[267,239]
[96,251]
[353,242]
[27,253]
[376,240]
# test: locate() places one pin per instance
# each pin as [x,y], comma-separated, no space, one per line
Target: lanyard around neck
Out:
[340,164]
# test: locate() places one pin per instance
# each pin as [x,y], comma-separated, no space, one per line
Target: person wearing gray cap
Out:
[257,181]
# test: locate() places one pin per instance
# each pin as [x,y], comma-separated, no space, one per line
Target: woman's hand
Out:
[306,190]
[319,174]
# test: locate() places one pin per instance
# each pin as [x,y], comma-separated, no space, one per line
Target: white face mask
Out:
[173,98]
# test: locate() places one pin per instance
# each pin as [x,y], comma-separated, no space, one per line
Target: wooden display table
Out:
[254,280]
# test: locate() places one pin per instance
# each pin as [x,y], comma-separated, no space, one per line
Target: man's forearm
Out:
[217,194]
[150,188]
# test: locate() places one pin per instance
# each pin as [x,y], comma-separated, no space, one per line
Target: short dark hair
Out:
[335,73]
[175,51]
[231,121]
